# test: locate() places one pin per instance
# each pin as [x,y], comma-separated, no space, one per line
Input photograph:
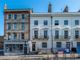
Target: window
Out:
[9,16]
[76,33]
[45,22]
[65,22]
[67,44]
[36,22]
[56,22]
[15,26]
[33,46]
[23,26]
[23,16]
[22,35]
[45,34]
[56,34]
[36,34]
[44,45]
[15,16]
[14,46]
[78,45]
[14,36]
[58,44]
[10,48]
[21,47]
[9,36]
[76,22]
[9,26]
[65,34]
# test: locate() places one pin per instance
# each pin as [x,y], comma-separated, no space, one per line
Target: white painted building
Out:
[54,31]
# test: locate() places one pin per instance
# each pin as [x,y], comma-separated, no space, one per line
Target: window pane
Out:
[76,22]
[9,16]
[45,34]
[67,44]
[23,16]
[23,26]
[35,22]
[36,34]
[22,35]
[56,34]
[65,22]
[9,26]
[58,44]
[76,33]
[56,22]
[14,36]
[65,34]
[44,45]
[15,26]
[45,22]
[15,16]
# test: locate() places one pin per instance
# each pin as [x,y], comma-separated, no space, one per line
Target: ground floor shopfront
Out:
[22,47]
[16,48]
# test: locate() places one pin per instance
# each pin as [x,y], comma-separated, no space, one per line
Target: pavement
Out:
[40,57]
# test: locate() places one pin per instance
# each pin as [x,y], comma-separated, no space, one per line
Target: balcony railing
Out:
[41,38]
[17,20]
[61,38]
[76,38]
[15,40]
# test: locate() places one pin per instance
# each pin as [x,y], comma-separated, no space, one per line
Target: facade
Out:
[26,32]
[54,31]
[1,45]
[16,30]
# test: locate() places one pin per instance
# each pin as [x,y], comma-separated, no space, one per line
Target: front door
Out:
[25,49]
[33,46]
[78,47]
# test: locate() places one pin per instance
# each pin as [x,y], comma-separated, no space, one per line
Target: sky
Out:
[37,6]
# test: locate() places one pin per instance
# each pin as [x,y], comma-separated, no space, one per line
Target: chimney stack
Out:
[65,9]
[49,8]
[5,6]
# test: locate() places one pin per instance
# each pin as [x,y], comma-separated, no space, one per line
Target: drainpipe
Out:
[51,35]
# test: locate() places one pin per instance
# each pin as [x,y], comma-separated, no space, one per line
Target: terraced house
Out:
[16,30]
[29,32]
[55,31]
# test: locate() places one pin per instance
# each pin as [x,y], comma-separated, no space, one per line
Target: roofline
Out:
[56,14]
[25,9]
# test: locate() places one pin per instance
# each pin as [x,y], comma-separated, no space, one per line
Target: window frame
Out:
[76,22]
[66,34]
[44,44]
[23,26]
[45,22]
[45,33]
[56,22]
[58,45]
[57,34]
[9,16]
[35,22]
[23,16]
[76,35]
[66,22]
[35,33]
